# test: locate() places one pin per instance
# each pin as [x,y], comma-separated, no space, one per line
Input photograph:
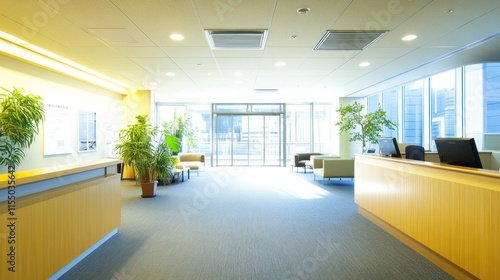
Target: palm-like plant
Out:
[140,148]
[371,124]
[20,118]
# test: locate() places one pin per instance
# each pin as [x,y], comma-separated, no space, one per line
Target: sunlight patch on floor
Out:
[298,188]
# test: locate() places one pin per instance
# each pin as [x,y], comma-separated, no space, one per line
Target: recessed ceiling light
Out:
[364,64]
[170,74]
[409,37]
[238,74]
[176,37]
[280,64]
[303,11]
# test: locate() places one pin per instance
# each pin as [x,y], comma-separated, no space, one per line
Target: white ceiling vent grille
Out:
[348,40]
[236,39]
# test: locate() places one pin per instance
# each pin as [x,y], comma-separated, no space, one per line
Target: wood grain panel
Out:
[453,211]
[56,226]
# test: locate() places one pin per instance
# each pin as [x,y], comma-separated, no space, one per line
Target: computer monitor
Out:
[388,146]
[458,151]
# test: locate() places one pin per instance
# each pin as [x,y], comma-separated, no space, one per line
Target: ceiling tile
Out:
[444,40]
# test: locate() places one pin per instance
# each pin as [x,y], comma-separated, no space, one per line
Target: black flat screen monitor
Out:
[388,146]
[458,151]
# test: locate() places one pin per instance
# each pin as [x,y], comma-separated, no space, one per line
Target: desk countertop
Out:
[35,175]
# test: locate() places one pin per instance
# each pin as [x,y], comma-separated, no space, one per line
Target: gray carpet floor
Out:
[250,223]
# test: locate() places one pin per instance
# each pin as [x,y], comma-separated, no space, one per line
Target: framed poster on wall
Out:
[57,129]
[87,140]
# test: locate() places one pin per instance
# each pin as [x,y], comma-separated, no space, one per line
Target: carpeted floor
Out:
[250,223]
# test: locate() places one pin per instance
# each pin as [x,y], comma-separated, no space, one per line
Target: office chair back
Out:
[415,152]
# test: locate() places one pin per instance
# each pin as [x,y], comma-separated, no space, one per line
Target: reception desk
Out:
[449,214]
[56,216]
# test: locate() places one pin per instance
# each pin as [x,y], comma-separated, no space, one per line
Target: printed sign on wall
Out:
[57,129]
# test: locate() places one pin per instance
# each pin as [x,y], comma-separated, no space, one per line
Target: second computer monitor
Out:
[388,146]
[458,151]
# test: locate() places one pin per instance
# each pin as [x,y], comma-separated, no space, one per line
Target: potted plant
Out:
[150,157]
[370,124]
[20,118]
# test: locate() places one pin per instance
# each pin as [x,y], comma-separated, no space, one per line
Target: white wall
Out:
[77,95]
[495,160]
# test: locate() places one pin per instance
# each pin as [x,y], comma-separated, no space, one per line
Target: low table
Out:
[309,164]
[179,173]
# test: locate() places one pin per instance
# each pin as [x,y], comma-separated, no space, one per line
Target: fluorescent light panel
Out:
[23,50]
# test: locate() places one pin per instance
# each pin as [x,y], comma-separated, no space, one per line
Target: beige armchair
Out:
[194,161]
[303,160]
[335,168]
[317,161]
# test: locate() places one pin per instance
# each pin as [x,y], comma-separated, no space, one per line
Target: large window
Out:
[200,115]
[248,134]
[413,113]
[298,133]
[491,82]
[250,131]
[323,128]
[442,105]
[373,102]
[462,102]
[390,105]
[482,104]
[473,103]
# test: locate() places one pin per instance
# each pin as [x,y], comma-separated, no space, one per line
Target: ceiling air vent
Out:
[265,90]
[347,40]
[236,39]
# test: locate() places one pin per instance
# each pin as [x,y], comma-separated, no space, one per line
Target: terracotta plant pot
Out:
[149,189]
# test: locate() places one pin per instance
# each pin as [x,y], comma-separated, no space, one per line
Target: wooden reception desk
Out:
[61,214]
[449,214]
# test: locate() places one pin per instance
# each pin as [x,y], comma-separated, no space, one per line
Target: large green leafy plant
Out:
[142,147]
[182,126]
[370,124]
[20,118]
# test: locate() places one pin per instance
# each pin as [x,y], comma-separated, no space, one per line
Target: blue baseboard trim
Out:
[83,255]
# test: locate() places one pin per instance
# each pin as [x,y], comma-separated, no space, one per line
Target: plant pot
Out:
[149,189]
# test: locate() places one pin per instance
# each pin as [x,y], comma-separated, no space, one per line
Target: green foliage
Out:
[139,147]
[172,141]
[20,118]
[370,125]
[182,126]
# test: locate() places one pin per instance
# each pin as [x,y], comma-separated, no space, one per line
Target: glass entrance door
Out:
[248,140]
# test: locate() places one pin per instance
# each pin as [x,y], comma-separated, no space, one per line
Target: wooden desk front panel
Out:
[454,213]
[56,226]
